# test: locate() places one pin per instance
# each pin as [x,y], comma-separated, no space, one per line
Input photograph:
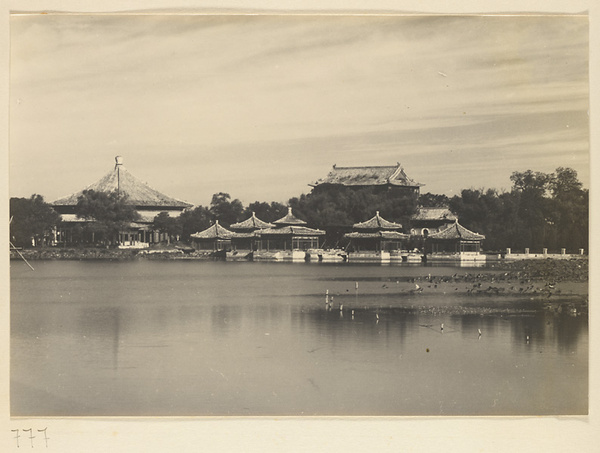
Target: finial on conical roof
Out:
[376,213]
[289,209]
[118,160]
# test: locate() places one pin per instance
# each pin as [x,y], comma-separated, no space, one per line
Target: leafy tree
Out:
[569,209]
[225,210]
[265,211]
[344,206]
[194,220]
[541,210]
[531,189]
[110,212]
[336,208]
[564,182]
[167,225]
[530,181]
[432,200]
[32,218]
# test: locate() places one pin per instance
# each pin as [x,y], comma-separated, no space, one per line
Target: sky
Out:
[262,106]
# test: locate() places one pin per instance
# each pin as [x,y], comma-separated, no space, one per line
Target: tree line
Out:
[540,210]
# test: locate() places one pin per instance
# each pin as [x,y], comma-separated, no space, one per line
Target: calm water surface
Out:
[214,338]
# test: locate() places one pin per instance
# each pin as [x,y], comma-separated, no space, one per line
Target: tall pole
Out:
[118,163]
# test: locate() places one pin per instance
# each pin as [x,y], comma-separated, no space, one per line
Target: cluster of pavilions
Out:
[375,239]
[436,230]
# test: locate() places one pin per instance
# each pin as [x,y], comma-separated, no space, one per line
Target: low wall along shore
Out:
[526,255]
[130,253]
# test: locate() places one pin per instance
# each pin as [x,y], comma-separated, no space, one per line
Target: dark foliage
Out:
[224,209]
[110,211]
[265,211]
[345,206]
[432,200]
[541,211]
[32,219]
[193,221]
[168,225]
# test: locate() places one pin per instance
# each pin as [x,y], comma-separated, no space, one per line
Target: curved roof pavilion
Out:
[290,225]
[377,223]
[139,194]
[456,232]
[290,230]
[251,224]
[289,220]
[385,235]
[215,231]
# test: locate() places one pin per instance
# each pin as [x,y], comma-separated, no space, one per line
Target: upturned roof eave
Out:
[251,223]
[215,231]
[290,230]
[456,232]
[377,223]
[378,175]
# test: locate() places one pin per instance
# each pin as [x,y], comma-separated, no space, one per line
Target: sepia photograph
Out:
[303,215]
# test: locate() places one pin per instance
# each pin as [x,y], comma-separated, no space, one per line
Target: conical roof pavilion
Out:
[251,224]
[457,231]
[139,194]
[377,223]
[289,219]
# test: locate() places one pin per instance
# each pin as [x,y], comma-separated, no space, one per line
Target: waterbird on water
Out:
[442,327]
[479,330]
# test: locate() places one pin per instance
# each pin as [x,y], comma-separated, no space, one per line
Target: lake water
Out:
[178,338]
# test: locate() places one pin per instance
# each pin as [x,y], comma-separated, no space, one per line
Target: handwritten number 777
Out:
[31,436]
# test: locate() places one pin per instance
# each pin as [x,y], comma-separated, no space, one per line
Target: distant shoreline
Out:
[550,269]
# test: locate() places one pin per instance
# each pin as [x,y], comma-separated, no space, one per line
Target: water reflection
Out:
[171,343]
[102,325]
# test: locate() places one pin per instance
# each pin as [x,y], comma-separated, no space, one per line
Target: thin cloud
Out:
[301,92]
